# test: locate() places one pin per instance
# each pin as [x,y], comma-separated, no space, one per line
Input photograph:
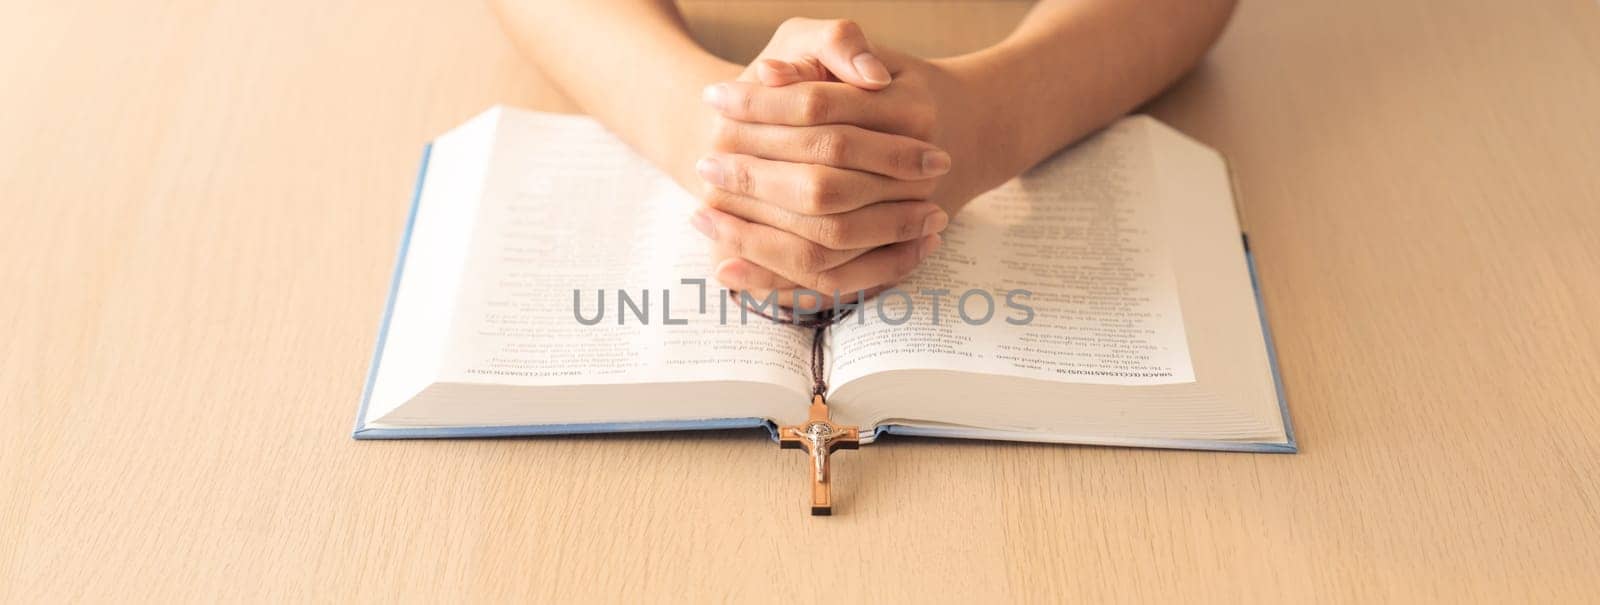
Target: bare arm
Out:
[629,63]
[1073,66]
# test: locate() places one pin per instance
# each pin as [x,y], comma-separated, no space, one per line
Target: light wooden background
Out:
[201,202]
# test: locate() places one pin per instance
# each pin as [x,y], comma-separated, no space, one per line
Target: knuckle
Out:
[814,106]
[907,159]
[742,102]
[825,281]
[811,259]
[739,179]
[920,119]
[910,227]
[820,193]
[836,150]
[833,232]
[841,29]
[829,147]
[730,241]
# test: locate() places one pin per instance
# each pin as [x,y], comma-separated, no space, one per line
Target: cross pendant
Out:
[819,437]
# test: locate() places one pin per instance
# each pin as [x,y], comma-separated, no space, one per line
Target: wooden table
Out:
[201,203]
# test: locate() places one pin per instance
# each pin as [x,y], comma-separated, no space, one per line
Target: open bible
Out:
[549,282]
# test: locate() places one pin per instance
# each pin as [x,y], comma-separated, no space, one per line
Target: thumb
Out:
[842,48]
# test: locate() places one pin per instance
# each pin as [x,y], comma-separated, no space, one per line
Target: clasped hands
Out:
[830,167]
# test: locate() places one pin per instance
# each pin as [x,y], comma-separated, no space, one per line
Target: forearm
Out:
[1072,66]
[629,63]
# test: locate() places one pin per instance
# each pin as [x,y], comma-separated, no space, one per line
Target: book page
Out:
[1078,242]
[568,208]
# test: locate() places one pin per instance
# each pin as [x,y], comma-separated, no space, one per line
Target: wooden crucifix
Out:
[819,437]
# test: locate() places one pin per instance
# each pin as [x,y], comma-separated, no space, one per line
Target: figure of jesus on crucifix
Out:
[819,437]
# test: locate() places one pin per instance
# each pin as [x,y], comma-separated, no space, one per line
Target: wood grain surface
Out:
[201,203]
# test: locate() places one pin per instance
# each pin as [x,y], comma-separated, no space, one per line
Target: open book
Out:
[549,282]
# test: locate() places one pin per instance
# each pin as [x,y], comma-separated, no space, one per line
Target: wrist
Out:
[981,123]
[686,129]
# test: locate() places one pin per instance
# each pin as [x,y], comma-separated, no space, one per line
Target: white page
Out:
[569,207]
[1084,233]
